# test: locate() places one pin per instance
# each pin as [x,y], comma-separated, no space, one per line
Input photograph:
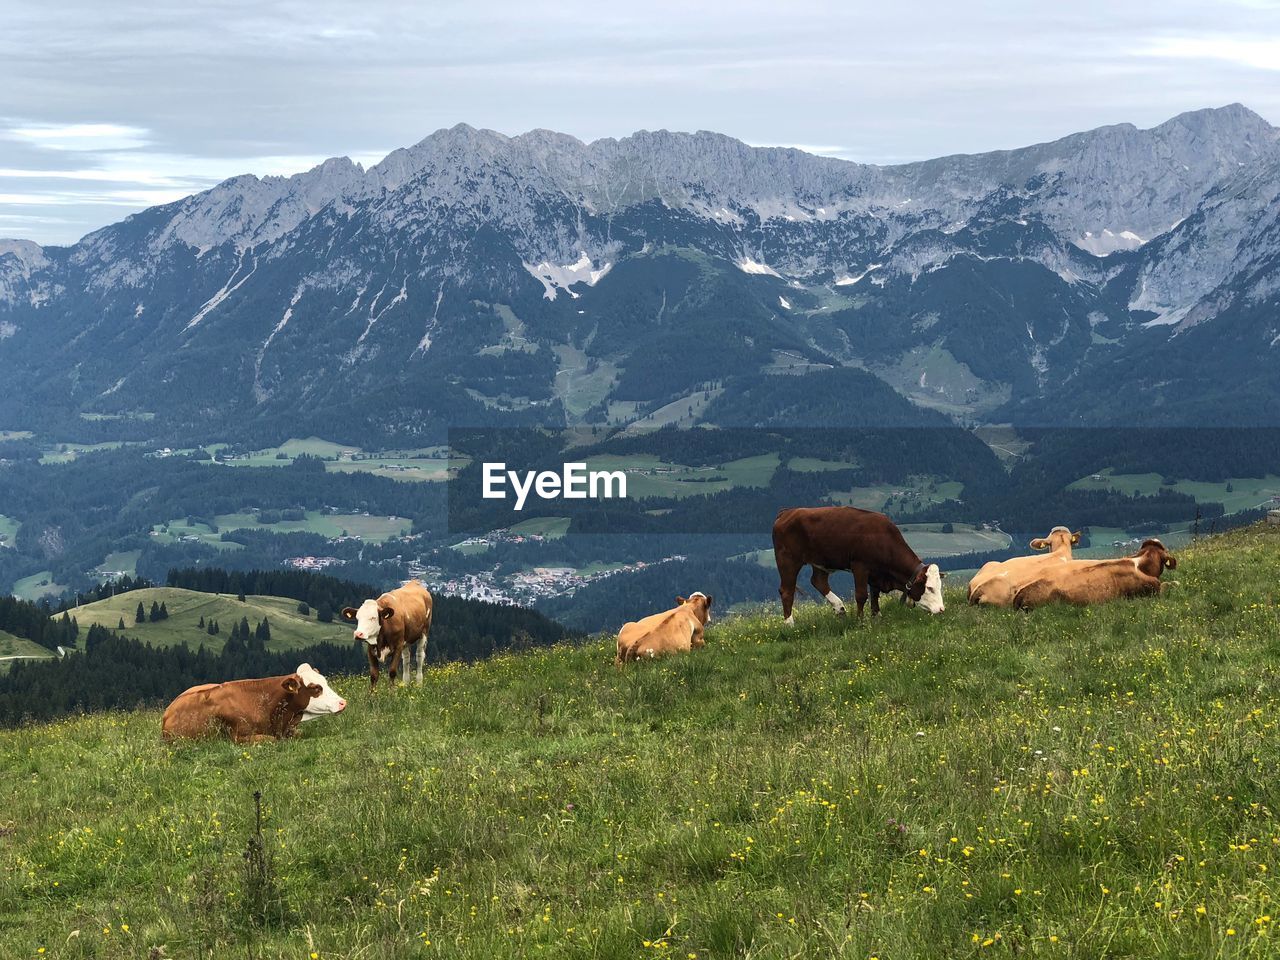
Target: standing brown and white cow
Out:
[1085,582]
[867,544]
[678,630]
[393,626]
[246,710]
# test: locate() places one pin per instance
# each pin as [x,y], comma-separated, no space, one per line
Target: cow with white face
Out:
[327,702]
[393,627]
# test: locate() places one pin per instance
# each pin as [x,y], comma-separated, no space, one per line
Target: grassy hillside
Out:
[289,628]
[11,646]
[1071,783]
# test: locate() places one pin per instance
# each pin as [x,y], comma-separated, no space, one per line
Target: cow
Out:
[392,627]
[248,711]
[677,630]
[998,580]
[867,544]
[1086,582]
[326,701]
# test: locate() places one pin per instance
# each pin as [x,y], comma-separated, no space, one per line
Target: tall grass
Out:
[1070,783]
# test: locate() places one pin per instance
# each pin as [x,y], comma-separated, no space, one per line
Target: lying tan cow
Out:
[246,710]
[392,627]
[998,581]
[1086,582]
[678,630]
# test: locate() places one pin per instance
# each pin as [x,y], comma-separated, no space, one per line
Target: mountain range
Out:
[1114,276]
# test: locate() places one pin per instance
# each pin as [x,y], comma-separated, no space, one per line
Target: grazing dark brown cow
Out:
[246,710]
[393,626]
[1086,582]
[678,630]
[867,544]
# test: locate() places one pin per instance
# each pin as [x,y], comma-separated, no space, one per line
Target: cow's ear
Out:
[315,690]
[709,601]
[1171,563]
[681,601]
[1039,543]
[386,612]
[349,614]
[290,684]
[1075,537]
[942,574]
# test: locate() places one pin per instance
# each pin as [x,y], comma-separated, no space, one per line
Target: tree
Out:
[948,528]
[324,613]
[240,596]
[141,615]
[201,623]
[304,608]
[154,615]
[164,611]
[120,625]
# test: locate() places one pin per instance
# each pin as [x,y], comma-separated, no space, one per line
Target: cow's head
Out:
[700,603]
[1058,538]
[326,701]
[368,620]
[298,693]
[1153,558]
[925,588]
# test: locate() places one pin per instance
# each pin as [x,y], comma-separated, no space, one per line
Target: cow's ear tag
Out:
[290,685]
[386,612]
[1170,563]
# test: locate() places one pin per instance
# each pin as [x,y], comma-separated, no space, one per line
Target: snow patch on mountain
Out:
[747,265]
[227,290]
[554,277]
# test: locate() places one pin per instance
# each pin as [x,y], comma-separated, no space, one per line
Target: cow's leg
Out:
[422,656]
[406,656]
[393,663]
[875,600]
[821,581]
[788,570]
[373,667]
[861,579]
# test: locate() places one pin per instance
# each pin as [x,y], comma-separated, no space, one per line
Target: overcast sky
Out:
[106,108]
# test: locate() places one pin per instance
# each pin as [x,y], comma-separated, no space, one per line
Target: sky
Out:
[107,108]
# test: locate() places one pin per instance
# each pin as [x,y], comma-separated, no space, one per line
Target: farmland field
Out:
[36,586]
[8,530]
[1069,783]
[1246,492]
[375,529]
[649,476]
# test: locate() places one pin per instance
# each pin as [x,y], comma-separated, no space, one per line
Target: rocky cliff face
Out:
[476,269]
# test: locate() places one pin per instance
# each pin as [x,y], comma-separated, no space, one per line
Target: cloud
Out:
[1256,53]
[91,137]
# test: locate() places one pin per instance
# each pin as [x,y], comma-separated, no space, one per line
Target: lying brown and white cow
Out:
[999,580]
[246,710]
[678,630]
[867,544]
[393,626]
[1086,582]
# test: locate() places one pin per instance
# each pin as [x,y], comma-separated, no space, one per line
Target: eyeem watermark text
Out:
[573,482]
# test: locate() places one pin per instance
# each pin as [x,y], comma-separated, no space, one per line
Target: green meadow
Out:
[289,628]
[1072,783]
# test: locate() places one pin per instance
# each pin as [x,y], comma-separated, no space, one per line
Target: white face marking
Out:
[328,701]
[368,623]
[931,599]
[835,601]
